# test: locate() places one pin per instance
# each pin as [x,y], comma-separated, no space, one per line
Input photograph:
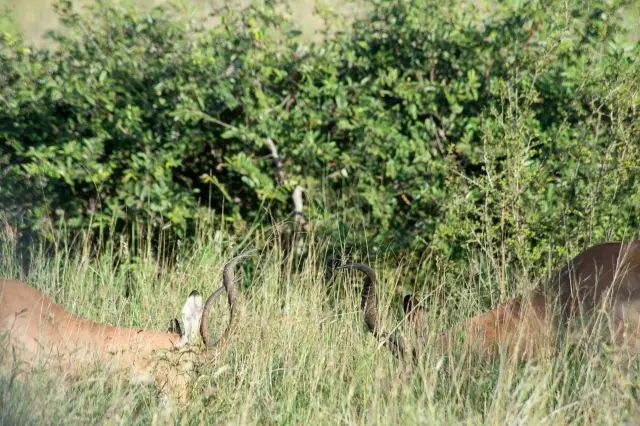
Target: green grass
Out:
[301,354]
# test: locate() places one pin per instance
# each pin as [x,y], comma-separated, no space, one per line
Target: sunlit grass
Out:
[34,18]
[301,353]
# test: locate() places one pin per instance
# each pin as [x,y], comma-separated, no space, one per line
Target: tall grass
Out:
[301,354]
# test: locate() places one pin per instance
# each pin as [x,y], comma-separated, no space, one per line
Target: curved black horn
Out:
[228,275]
[368,302]
[370,309]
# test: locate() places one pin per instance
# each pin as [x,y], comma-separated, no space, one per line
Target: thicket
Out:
[423,124]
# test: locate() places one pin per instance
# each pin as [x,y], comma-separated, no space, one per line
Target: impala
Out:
[603,282]
[38,330]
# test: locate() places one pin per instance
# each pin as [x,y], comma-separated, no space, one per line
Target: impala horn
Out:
[228,275]
[368,305]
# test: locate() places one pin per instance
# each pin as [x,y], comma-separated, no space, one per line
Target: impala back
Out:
[34,326]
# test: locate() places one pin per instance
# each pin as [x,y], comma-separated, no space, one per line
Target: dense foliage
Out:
[425,123]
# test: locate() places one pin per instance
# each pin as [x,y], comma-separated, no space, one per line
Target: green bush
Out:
[425,124]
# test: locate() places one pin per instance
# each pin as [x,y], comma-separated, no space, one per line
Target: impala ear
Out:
[174,327]
[409,304]
[413,310]
[191,317]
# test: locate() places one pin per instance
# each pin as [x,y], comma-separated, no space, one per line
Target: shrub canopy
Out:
[423,124]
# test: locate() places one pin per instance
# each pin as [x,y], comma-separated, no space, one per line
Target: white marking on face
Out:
[191,316]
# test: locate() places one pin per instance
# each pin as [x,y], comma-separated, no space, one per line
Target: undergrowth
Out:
[301,354]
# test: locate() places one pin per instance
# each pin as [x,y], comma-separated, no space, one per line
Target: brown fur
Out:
[603,279]
[38,331]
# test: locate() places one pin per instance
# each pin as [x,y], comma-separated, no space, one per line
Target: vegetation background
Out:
[465,149]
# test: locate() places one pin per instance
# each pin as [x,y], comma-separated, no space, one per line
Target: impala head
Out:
[228,275]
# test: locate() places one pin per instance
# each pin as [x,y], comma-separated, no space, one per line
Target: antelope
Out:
[40,330]
[603,279]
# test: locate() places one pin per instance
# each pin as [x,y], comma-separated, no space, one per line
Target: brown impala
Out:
[603,279]
[35,330]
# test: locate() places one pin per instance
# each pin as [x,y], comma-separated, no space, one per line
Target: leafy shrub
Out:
[425,124]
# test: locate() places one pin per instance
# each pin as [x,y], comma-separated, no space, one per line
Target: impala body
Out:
[34,330]
[600,284]
[40,329]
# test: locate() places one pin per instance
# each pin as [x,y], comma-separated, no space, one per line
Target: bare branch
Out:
[276,160]
[298,206]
